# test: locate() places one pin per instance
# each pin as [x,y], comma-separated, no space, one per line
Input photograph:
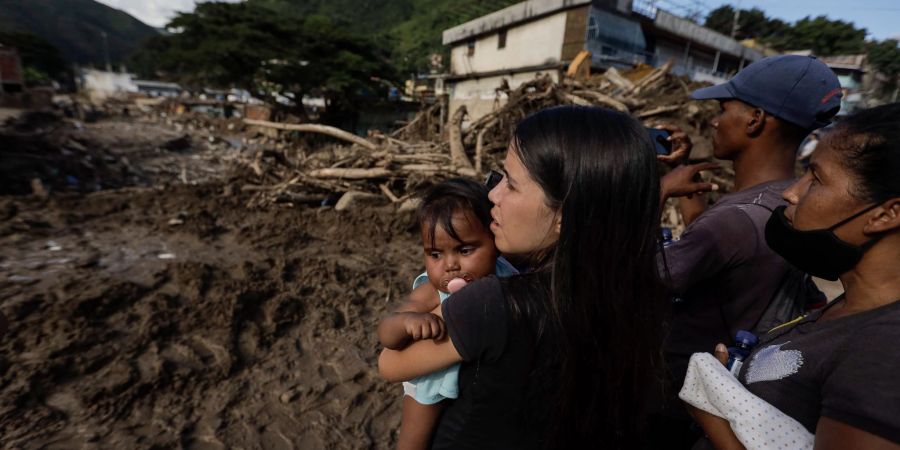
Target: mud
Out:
[174,316]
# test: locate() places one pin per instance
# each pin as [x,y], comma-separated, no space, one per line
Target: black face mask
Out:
[817,252]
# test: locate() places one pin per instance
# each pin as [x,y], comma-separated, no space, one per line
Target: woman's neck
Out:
[874,282]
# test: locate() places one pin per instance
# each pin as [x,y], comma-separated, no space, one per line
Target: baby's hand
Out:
[421,326]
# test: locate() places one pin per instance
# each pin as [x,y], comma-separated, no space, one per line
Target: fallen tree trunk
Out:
[315,128]
[659,110]
[603,100]
[479,145]
[656,75]
[457,150]
[617,79]
[352,173]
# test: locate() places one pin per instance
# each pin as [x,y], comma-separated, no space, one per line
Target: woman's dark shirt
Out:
[846,369]
[491,411]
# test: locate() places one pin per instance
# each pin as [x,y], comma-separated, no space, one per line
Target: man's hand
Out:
[681,146]
[421,326]
[685,180]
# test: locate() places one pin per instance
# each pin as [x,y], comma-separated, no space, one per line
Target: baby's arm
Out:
[413,320]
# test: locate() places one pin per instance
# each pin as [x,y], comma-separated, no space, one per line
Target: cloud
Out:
[156,13]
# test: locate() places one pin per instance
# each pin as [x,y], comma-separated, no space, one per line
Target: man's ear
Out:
[756,121]
[886,218]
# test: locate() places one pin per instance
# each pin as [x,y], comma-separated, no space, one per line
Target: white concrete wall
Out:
[507,17]
[480,96]
[529,44]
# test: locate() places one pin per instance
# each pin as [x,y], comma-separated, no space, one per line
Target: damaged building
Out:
[541,37]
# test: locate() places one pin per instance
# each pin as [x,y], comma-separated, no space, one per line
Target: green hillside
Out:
[75,27]
[409,29]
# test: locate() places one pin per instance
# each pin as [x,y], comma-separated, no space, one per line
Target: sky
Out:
[880,17]
[155,13]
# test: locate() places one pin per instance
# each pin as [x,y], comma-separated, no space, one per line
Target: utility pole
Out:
[106,51]
[737,17]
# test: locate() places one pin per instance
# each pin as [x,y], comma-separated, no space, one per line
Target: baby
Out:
[454,219]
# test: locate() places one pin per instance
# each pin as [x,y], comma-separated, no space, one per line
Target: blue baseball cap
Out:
[799,89]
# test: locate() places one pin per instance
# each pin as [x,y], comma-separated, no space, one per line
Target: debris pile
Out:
[424,151]
[42,152]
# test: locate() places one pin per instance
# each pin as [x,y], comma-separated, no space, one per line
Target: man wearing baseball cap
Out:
[721,270]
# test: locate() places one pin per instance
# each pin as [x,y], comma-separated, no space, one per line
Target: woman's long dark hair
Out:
[597,328]
[870,141]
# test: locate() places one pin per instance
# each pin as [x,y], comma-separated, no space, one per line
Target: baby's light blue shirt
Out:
[444,383]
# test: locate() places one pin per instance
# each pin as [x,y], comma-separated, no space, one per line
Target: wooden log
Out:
[387,191]
[457,150]
[437,169]
[479,145]
[659,110]
[580,68]
[617,79]
[352,173]
[603,100]
[315,128]
[654,76]
[574,99]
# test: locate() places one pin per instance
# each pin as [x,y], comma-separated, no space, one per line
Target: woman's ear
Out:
[886,218]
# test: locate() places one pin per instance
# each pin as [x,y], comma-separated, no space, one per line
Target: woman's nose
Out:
[494,194]
[793,193]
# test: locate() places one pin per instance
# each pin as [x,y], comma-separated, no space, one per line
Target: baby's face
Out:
[470,258]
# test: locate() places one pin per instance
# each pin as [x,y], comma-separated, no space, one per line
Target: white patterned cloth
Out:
[757,424]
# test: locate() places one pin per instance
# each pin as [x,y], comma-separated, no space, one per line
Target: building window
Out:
[501,39]
[593,30]
[470,48]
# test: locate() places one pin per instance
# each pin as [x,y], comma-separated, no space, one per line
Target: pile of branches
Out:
[426,150]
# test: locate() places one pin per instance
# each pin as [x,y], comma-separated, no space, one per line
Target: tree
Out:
[41,61]
[885,57]
[245,45]
[821,35]
[827,37]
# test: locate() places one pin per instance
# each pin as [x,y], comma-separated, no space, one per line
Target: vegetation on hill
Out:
[75,27]
[41,61]
[344,50]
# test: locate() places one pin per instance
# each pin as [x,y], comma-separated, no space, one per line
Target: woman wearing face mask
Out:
[563,356]
[835,371]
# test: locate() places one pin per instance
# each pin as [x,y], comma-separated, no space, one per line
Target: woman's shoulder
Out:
[476,319]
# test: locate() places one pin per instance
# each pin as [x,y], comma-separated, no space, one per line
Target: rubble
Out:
[430,147]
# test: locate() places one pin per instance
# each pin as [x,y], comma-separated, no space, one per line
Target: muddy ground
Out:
[158,314]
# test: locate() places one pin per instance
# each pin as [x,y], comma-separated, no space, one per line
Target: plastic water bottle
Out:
[667,236]
[745,342]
